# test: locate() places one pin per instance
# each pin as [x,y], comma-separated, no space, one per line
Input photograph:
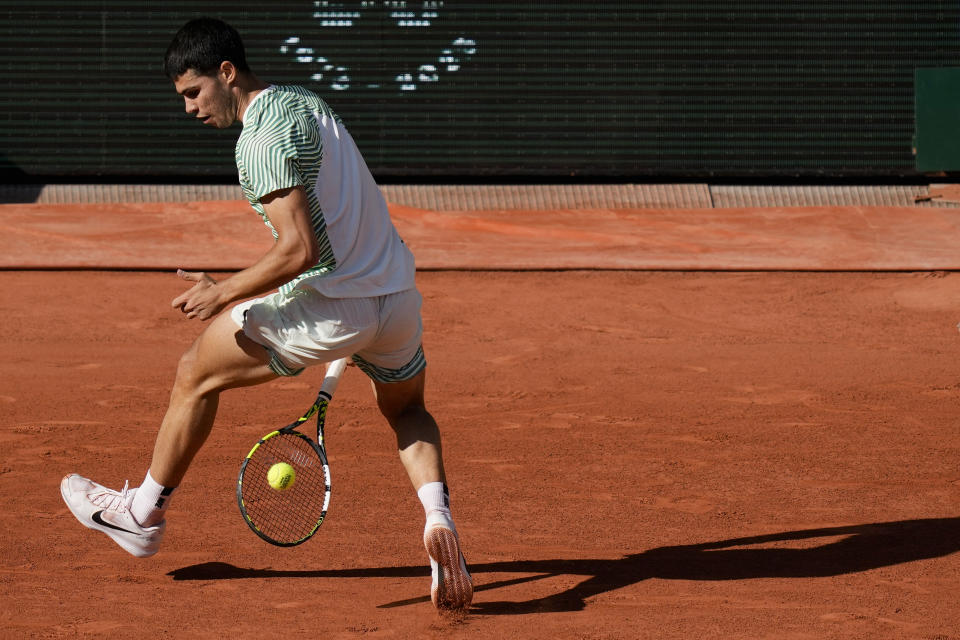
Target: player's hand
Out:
[202,300]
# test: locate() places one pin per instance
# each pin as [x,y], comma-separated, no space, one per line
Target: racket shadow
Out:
[226,571]
[811,553]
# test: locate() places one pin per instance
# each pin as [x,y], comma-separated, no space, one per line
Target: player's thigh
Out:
[222,357]
[395,398]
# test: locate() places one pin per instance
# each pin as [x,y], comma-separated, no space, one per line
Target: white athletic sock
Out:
[435,497]
[150,502]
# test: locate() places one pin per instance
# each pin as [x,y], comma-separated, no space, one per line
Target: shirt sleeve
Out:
[272,158]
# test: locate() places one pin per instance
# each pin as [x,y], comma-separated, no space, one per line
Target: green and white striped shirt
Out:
[292,138]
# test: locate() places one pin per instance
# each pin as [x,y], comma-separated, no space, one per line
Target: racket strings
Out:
[291,514]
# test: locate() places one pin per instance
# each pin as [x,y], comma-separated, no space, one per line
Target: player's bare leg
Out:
[221,358]
[418,441]
[418,437]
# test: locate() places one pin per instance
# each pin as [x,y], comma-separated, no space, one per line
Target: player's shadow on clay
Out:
[813,553]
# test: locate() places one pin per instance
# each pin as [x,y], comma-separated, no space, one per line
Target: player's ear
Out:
[227,71]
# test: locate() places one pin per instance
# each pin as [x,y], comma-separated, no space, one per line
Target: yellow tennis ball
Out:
[281,476]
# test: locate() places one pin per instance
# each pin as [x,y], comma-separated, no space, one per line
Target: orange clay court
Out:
[658,423]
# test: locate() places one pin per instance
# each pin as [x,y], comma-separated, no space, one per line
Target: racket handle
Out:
[334,371]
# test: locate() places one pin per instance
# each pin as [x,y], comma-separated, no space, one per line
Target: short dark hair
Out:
[201,45]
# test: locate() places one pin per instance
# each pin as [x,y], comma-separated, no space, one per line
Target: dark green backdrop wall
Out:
[636,89]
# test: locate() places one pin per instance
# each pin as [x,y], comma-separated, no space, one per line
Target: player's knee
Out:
[191,378]
[186,371]
[401,416]
[394,413]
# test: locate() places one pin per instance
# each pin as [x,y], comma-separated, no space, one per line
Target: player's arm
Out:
[294,252]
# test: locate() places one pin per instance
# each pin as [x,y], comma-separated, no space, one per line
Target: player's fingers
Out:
[183,303]
[189,275]
[183,300]
[196,276]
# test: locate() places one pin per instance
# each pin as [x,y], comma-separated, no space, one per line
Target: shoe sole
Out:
[133,550]
[453,590]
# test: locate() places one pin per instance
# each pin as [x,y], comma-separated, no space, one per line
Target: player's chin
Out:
[222,123]
[214,122]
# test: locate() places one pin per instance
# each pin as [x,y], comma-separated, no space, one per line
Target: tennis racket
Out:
[290,516]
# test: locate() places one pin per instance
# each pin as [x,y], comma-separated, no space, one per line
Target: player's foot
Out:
[452,585]
[108,511]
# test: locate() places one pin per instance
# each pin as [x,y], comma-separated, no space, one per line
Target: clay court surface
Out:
[632,454]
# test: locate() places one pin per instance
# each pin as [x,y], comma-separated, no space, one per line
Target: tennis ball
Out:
[281,476]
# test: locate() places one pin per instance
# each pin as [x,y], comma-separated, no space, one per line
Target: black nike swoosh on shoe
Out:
[96,517]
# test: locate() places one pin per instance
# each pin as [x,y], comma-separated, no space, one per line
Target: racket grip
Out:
[334,371]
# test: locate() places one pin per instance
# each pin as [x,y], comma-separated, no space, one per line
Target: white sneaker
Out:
[452,586]
[106,510]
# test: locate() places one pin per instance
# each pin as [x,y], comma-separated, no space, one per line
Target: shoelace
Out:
[111,500]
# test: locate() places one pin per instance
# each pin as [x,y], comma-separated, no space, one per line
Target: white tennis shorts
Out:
[304,328]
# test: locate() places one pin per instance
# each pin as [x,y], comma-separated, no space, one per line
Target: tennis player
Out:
[338,281]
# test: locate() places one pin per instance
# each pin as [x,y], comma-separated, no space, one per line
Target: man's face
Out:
[207,97]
